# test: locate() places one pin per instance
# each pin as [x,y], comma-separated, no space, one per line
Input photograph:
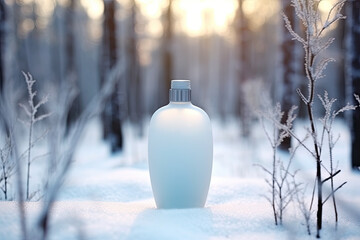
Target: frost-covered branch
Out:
[281,192]
[292,32]
[300,198]
[7,165]
[314,43]
[290,131]
[335,16]
[6,110]
[31,111]
[327,122]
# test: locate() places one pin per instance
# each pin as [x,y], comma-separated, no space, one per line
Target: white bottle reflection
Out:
[180,151]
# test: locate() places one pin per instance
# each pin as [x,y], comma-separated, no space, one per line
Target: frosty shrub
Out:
[62,145]
[327,121]
[314,43]
[7,166]
[64,156]
[279,182]
[306,212]
[31,110]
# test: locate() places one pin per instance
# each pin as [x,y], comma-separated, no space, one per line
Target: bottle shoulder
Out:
[180,112]
[159,112]
[201,111]
[174,108]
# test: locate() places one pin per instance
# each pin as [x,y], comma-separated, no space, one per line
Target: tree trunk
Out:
[244,67]
[134,87]
[353,75]
[167,61]
[2,43]
[289,65]
[111,114]
[21,53]
[70,64]
[56,46]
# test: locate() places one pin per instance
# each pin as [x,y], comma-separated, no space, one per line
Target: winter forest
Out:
[81,79]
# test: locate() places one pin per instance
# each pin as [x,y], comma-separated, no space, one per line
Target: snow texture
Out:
[109,197]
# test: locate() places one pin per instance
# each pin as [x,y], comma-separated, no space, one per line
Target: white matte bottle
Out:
[180,151]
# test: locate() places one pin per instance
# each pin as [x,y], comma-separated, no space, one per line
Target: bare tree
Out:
[112,125]
[2,41]
[56,50]
[166,53]
[70,63]
[134,87]
[353,74]
[244,66]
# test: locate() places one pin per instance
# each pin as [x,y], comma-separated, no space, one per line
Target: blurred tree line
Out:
[232,50]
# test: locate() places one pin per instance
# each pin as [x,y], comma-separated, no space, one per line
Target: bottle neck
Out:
[180,95]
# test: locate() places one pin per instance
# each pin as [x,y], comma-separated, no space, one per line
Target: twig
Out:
[31,113]
[333,192]
[331,176]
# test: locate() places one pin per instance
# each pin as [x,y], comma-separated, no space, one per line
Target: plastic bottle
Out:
[180,151]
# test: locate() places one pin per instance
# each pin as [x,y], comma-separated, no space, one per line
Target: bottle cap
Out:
[180,91]
[180,84]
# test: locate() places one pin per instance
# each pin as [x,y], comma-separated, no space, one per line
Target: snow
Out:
[109,196]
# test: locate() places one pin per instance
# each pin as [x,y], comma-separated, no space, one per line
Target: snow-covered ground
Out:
[109,197]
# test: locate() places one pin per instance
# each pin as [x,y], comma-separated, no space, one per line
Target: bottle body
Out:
[180,155]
